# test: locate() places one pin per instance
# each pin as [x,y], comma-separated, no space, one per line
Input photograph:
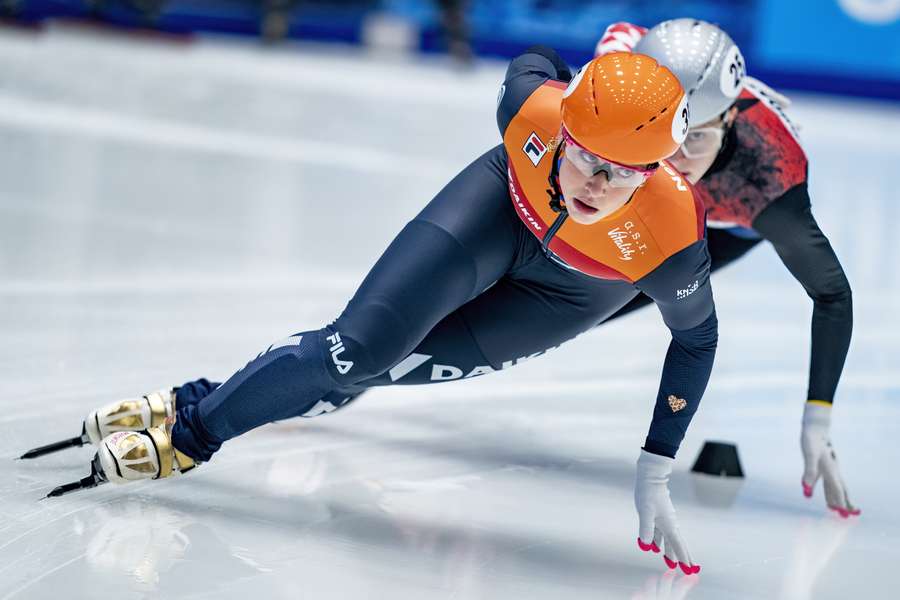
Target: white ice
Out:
[167,210]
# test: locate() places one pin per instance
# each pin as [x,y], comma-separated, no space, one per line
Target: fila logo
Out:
[534,148]
[343,366]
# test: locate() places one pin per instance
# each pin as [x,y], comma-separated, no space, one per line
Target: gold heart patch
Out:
[676,403]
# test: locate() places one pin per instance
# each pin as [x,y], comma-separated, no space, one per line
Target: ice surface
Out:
[167,211]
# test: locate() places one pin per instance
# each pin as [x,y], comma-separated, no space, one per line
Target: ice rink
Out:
[167,210]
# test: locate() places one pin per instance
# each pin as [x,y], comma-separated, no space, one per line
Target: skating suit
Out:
[468,288]
[757,190]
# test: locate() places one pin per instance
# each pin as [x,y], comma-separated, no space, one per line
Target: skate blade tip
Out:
[32,454]
[65,489]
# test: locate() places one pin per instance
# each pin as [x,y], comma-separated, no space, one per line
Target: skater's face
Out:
[589,198]
[702,146]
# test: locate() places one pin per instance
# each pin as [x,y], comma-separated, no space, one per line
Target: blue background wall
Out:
[845,46]
[836,46]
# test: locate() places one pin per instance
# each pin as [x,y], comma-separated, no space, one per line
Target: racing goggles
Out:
[702,142]
[589,164]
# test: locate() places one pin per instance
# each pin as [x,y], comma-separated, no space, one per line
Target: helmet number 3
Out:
[733,71]
[680,121]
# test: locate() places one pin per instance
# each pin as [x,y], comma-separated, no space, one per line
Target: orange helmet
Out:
[627,108]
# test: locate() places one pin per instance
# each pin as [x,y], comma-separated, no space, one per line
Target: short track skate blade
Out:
[54,447]
[93,480]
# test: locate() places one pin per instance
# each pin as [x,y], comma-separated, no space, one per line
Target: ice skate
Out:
[131,414]
[126,456]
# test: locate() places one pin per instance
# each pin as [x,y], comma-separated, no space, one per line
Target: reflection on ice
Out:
[666,586]
[716,492]
[814,547]
[159,549]
[138,540]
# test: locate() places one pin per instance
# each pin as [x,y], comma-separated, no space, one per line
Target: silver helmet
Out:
[704,58]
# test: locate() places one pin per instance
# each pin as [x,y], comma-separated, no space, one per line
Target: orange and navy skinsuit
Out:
[474,284]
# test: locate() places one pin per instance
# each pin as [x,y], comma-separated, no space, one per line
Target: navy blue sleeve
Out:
[680,288]
[525,74]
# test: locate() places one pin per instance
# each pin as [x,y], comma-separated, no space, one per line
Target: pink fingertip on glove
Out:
[648,547]
[844,512]
[685,568]
[807,489]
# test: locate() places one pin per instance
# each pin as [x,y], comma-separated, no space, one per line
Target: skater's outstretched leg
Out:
[152,410]
[460,244]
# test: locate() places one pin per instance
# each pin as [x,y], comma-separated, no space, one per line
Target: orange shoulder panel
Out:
[676,215]
[662,218]
[530,142]
[530,137]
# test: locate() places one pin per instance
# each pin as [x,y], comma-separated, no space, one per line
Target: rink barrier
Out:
[841,47]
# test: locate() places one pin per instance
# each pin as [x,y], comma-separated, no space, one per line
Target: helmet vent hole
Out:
[653,118]
[639,127]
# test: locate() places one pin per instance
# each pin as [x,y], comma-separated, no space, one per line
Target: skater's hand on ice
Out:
[658,524]
[820,460]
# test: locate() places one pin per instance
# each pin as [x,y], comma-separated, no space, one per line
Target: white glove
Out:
[658,524]
[820,460]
